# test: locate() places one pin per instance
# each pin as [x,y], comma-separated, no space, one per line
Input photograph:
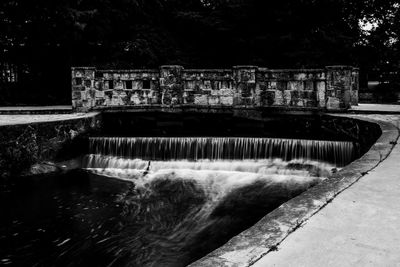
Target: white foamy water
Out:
[109,164]
[173,205]
[216,178]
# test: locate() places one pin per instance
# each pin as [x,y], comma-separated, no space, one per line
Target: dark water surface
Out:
[59,220]
[167,218]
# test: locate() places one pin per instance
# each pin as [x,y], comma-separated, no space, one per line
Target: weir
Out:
[339,153]
[185,189]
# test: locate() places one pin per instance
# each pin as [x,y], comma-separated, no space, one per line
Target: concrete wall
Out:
[333,88]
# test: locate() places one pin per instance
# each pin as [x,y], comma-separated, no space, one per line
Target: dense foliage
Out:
[45,37]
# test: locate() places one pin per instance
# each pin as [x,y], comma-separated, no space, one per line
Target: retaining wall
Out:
[25,145]
[331,88]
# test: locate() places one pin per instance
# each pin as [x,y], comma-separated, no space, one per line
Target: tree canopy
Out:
[52,35]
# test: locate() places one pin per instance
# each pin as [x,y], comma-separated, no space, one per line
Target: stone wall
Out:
[332,88]
[25,145]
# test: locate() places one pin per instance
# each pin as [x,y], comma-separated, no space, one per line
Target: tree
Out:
[51,36]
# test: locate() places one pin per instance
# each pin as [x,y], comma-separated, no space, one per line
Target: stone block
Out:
[261,86]
[269,98]
[213,100]
[320,75]
[321,93]
[226,100]
[247,101]
[136,85]
[295,85]
[190,85]
[333,103]
[133,76]
[108,76]
[76,104]
[84,95]
[283,76]
[245,74]
[135,99]
[310,94]
[89,74]
[123,96]
[188,97]
[78,74]
[175,100]
[118,85]
[299,102]
[200,99]
[226,85]
[300,76]
[88,84]
[310,103]
[206,85]
[91,93]
[98,85]
[282,85]
[77,81]
[116,101]
[331,93]
[125,76]
[287,97]
[215,85]
[295,94]
[100,102]
[227,92]
[215,93]
[346,99]
[309,85]
[246,89]
[76,95]
[279,99]
[109,93]
[354,97]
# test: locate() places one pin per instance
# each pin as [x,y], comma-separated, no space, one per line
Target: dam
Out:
[172,156]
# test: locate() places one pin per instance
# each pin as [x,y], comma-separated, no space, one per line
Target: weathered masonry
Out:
[331,88]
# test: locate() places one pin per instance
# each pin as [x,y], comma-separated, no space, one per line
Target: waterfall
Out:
[183,191]
[338,153]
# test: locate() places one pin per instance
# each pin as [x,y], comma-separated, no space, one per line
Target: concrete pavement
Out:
[375,109]
[360,227]
[15,119]
[36,109]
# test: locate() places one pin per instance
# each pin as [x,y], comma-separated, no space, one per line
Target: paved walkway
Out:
[13,119]
[36,110]
[361,227]
[376,109]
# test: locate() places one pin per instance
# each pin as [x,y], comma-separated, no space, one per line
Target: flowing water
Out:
[159,201]
[217,148]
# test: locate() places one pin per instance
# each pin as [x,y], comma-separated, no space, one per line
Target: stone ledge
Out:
[28,140]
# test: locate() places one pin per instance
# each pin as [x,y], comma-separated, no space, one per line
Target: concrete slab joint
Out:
[330,88]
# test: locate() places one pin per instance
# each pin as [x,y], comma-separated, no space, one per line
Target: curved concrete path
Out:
[375,109]
[360,227]
[14,119]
